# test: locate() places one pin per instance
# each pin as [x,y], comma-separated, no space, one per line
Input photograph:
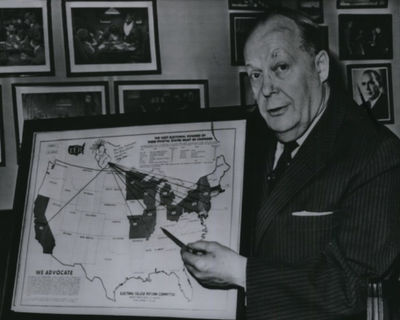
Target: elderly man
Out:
[329,221]
[376,100]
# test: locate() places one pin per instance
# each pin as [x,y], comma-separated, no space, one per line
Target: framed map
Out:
[92,199]
[2,149]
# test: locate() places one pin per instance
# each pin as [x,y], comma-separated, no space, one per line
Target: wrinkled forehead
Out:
[278,33]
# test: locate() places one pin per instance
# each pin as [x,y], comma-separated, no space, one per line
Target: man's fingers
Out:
[189,256]
[198,274]
[199,245]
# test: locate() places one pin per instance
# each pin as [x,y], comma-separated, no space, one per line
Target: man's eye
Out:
[255,76]
[281,67]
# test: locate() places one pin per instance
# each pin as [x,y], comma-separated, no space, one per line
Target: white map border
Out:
[37,165]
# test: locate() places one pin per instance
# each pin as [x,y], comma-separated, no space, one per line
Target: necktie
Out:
[282,164]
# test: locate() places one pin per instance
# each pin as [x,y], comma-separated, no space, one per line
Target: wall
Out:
[194,38]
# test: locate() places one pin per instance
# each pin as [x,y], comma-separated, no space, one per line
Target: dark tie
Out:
[282,164]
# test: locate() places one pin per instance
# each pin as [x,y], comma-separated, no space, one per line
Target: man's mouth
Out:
[275,112]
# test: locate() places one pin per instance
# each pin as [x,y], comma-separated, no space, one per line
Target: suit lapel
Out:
[310,159]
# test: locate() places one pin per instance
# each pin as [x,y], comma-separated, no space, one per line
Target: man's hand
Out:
[214,265]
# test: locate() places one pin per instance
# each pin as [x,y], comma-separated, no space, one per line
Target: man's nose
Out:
[268,87]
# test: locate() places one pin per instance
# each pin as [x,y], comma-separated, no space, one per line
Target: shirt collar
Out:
[303,138]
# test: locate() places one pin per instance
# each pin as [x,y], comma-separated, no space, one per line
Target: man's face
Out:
[128,18]
[284,78]
[370,86]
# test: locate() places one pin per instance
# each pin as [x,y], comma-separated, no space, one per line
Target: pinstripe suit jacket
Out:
[317,267]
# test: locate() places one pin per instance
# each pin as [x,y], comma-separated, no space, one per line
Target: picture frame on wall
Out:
[254,5]
[58,100]
[240,25]
[246,92]
[365,36]
[26,46]
[2,146]
[371,87]
[314,8]
[111,37]
[160,96]
[354,4]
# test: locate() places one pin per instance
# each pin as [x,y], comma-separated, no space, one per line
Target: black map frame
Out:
[32,127]
[2,147]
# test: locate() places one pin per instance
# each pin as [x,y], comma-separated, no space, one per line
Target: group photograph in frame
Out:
[370,85]
[160,96]
[111,37]
[314,8]
[240,25]
[26,38]
[58,100]
[354,4]
[254,5]
[365,36]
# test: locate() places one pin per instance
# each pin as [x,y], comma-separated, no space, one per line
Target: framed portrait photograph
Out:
[93,201]
[240,26]
[58,100]
[2,147]
[365,36]
[246,93]
[371,88]
[26,38]
[159,96]
[314,8]
[254,5]
[354,4]
[111,37]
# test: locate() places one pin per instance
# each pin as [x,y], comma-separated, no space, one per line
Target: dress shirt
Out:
[373,102]
[300,141]
[128,28]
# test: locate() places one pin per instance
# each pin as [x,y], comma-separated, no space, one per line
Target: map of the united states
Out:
[110,218]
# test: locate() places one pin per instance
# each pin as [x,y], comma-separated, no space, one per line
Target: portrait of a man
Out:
[371,90]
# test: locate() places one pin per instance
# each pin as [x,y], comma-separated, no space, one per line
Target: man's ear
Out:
[322,65]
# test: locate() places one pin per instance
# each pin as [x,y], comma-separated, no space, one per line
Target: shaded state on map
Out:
[42,228]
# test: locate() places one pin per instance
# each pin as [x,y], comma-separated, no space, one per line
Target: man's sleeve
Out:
[334,283]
